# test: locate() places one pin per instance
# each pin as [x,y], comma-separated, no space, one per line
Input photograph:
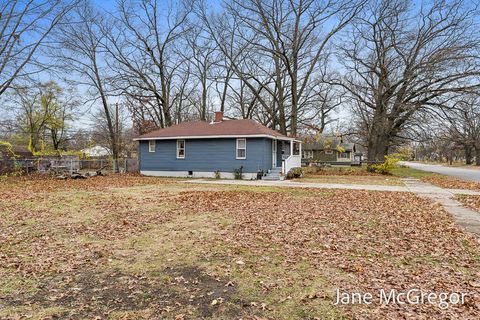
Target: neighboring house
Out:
[331,151]
[202,149]
[96,151]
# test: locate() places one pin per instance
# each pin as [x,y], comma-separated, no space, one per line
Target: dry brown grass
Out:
[339,171]
[352,179]
[129,247]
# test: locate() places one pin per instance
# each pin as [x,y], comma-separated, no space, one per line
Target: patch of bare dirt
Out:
[95,295]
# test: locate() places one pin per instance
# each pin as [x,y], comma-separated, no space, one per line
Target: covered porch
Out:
[286,154]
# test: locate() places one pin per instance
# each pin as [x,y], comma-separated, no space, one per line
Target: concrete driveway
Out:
[460,173]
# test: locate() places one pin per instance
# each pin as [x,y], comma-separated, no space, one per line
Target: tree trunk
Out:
[378,137]
[224,92]
[110,125]
[477,156]
[203,107]
[468,154]
[282,121]
[377,147]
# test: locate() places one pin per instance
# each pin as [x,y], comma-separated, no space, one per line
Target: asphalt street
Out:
[460,173]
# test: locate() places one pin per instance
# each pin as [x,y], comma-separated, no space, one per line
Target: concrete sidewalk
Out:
[465,217]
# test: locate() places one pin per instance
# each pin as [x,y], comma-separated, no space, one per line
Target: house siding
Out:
[320,155]
[206,155]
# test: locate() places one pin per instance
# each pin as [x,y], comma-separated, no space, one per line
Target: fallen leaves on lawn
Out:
[371,240]
[39,183]
[470,201]
[380,240]
[340,171]
[451,183]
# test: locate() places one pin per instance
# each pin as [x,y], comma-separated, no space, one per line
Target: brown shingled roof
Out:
[243,127]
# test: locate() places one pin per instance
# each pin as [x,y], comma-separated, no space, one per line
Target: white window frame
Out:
[308,154]
[328,152]
[340,155]
[237,148]
[184,149]
[152,145]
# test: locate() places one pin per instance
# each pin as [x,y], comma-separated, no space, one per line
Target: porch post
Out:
[300,149]
[291,148]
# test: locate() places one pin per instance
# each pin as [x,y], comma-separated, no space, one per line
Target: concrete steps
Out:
[273,174]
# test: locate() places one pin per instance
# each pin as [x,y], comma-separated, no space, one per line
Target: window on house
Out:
[328,151]
[343,155]
[180,149]
[151,146]
[241,148]
[296,148]
[308,154]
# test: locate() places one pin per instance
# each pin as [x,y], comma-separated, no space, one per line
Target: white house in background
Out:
[96,151]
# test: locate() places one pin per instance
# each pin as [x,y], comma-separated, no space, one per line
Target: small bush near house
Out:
[295,173]
[237,173]
[387,166]
[217,175]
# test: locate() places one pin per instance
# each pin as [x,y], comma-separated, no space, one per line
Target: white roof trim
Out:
[217,136]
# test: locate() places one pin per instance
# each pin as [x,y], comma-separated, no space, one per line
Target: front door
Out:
[274,153]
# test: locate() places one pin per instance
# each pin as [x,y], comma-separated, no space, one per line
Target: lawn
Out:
[365,180]
[348,175]
[130,247]
[407,172]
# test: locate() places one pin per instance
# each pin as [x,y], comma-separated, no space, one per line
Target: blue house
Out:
[202,149]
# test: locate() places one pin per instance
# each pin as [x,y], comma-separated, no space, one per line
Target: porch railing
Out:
[293,161]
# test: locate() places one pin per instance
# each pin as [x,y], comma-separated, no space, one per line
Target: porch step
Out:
[272,178]
[275,170]
[273,174]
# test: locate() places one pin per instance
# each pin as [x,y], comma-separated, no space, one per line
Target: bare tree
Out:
[401,59]
[142,43]
[83,53]
[202,58]
[24,28]
[462,126]
[285,39]
[101,129]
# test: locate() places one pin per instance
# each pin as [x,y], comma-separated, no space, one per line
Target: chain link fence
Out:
[67,165]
